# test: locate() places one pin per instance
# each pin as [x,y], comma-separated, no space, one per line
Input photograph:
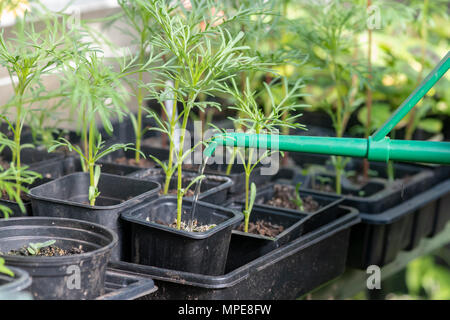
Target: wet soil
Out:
[263,228]
[50,251]
[185,227]
[284,198]
[173,192]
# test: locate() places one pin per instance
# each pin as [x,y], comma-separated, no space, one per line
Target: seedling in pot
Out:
[27,57]
[95,91]
[199,59]
[256,121]
[327,35]
[35,248]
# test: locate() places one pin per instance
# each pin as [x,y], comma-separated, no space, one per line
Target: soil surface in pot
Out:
[4,196]
[262,228]
[189,193]
[143,163]
[4,164]
[184,226]
[284,197]
[50,251]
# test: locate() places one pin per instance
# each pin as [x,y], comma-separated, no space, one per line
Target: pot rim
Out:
[30,260]
[78,204]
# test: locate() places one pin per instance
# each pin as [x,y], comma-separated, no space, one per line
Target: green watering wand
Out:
[377,147]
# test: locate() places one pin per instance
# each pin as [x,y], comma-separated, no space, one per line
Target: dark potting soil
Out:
[50,251]
[184,226]
[262,228]
[4,164]
[4,196]
[143,163]
[284,198]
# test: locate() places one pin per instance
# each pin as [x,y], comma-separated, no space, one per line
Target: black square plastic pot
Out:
[160,153]
[237,175]
[287,272]
[245,247]
[377,195]
[67,197]
[159,245]
[379,238]
[16,211]
[32,157]
[51,275]
[72,164]
[214,188]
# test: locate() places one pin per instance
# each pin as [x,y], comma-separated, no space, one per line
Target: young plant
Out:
[298,200]
[4,269]
[200,57]
[142,26]
[28,57]
[95,91]
[254,119]
[327,34]
[35,248]
[9,178]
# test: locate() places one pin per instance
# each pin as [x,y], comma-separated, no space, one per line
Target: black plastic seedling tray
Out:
[214,188]
[157,244]
[123,286]
[67,197]
[380,237]
[284,273]
[72,164]
[377,194]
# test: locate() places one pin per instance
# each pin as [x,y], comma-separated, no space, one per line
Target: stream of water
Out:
[201,169]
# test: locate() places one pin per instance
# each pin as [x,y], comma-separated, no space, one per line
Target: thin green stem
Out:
[140,101]
[179,162]
[91,158]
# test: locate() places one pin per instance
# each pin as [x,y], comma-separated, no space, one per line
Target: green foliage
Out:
[200,57]
[425,278]
[4,269]
[255,120]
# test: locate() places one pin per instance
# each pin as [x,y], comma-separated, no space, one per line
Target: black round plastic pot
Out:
[79,276]
[159,245]
[214,188]
[67,197]
[12,288]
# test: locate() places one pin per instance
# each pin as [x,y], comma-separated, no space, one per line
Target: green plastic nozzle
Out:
[376,148]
